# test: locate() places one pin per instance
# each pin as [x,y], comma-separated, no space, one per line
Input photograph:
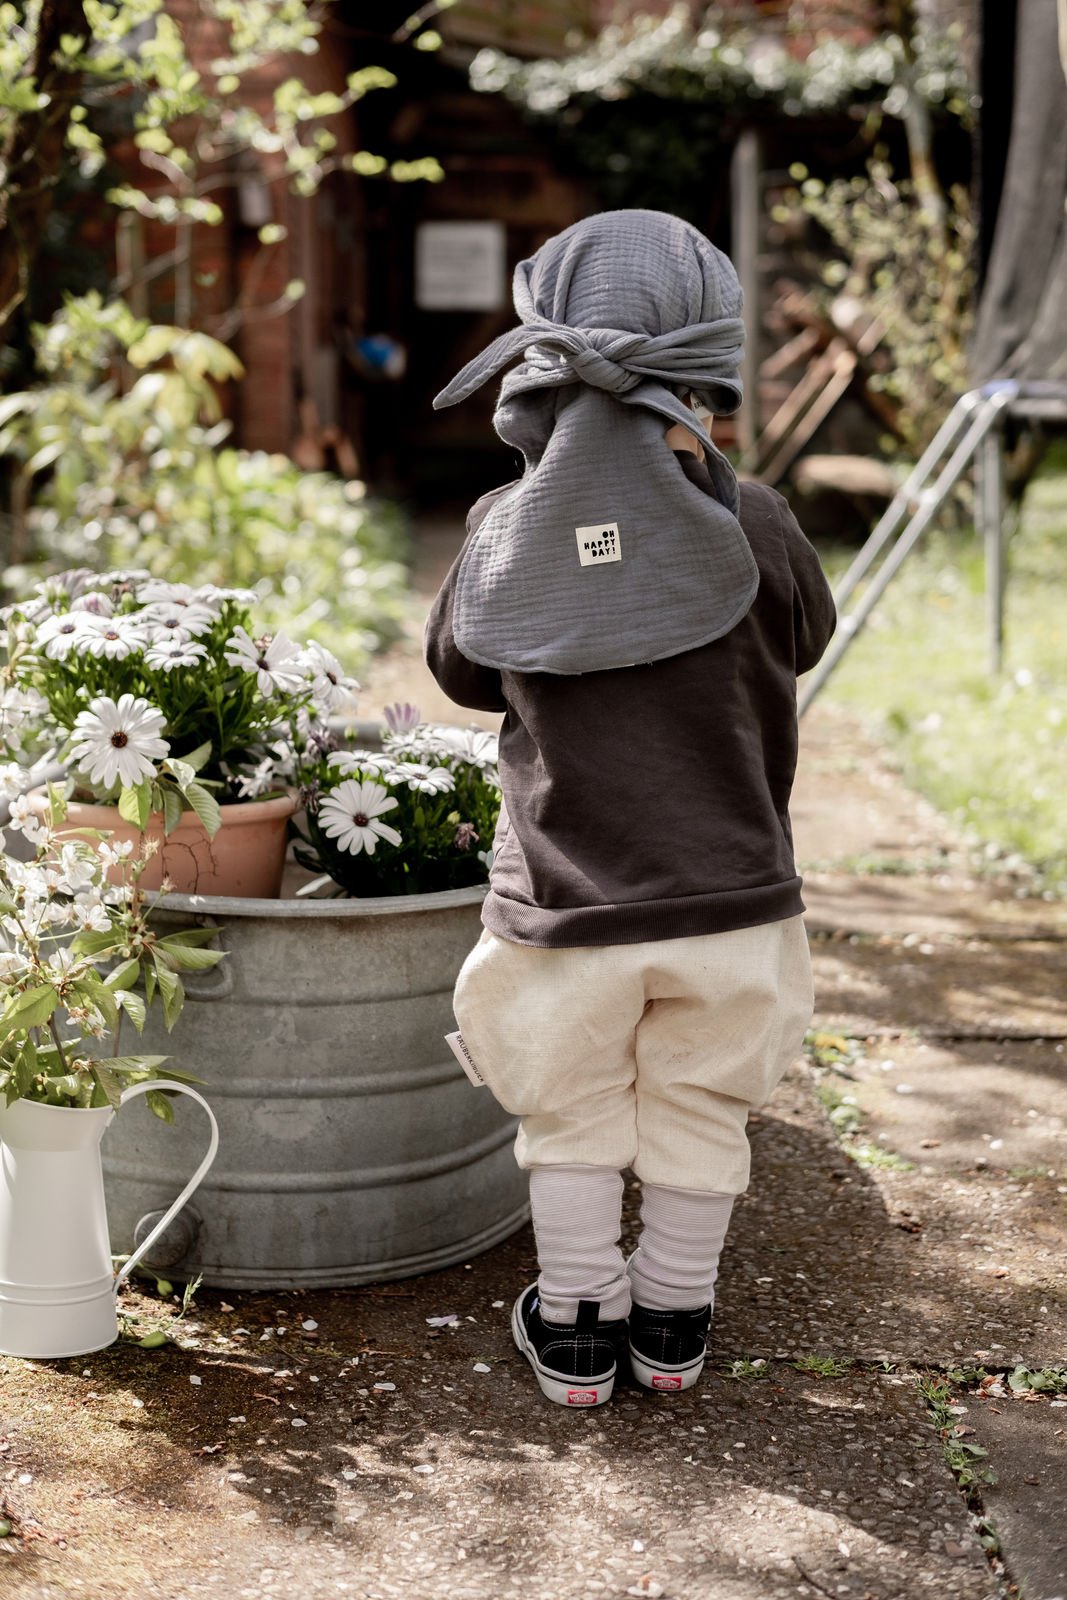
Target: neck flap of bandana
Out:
[605,554]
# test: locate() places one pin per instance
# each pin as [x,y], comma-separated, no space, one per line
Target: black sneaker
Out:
[667,1348]
[574,1361]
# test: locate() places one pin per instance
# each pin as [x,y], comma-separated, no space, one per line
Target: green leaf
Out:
[159,1105]
[149,985]
[183,773]
[30,1009]
[170,988]
[135,805]
[184,958]
[140,1066]
[206,807]
[122,976]
[196,758]
[91,990]
[133,1006]
[173,810]
[191,936]
[180,1077]
[109,1089]
[97,943]
[57,800]
[25,1068]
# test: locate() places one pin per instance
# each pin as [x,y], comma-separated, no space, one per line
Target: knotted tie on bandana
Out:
[621,316]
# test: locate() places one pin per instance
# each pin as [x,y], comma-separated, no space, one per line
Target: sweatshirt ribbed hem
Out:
[635,921]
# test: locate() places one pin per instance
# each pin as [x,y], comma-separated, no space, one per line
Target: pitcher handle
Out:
[172,1211]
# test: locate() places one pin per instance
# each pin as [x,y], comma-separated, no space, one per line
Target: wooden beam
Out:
[746,208]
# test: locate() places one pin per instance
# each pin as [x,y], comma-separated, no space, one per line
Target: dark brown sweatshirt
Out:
[652,802]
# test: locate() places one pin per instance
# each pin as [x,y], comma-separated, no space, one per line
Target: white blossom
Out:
[351,814]
[425,779]
[119,741]
[276,661]
[61,633]
[112,638]
[187,620]
[172,651]
[330,686]
[23,819]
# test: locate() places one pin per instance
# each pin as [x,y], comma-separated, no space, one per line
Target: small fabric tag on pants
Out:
[456,1044]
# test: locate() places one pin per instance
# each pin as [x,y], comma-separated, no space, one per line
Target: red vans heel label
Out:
[581,1397]
[660,1382]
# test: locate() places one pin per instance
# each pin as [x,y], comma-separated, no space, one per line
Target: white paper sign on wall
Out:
[460,266]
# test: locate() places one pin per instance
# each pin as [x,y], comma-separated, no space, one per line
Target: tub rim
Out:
[312,910]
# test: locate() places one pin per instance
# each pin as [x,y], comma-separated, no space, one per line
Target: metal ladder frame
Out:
[971,429]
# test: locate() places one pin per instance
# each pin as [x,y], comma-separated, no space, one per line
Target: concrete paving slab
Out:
[983,1130]
[434,1467]
[1027,1443]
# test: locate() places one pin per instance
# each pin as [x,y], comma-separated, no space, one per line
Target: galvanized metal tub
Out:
[352,1147]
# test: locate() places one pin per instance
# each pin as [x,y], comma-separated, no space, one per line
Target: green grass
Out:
[990,753]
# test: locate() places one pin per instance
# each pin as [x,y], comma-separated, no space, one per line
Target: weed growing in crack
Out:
[824,1366]
[961,1455]
[745,1367]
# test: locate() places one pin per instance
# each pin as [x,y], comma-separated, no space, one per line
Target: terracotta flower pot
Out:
[244,859]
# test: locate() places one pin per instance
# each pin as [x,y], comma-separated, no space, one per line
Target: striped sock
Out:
[577,1220]
[677,1261]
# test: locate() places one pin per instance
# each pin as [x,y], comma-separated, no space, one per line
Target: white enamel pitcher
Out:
[57,1288]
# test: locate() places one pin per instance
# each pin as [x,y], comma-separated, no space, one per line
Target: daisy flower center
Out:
[119,739]
[360,819]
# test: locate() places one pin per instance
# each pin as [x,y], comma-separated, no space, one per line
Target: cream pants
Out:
[647,1056]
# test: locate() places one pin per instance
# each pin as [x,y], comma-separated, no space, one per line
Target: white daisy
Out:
[330,685]
[211,595]
[426,779]
[157,591]
[275,661]
[349,762]
[61,633]
[112,638]
[93,603]
[119,741]
[173,651]
[475,745]
[186,620]
[351,814]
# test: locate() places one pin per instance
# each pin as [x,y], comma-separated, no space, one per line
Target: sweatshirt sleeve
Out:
[814,612]
[463,680]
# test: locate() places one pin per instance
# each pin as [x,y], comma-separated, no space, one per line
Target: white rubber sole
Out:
[665,1379]
[562,1391]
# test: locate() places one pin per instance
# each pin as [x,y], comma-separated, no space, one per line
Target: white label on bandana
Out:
[599,544]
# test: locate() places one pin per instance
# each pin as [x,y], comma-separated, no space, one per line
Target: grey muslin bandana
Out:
[605,555]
